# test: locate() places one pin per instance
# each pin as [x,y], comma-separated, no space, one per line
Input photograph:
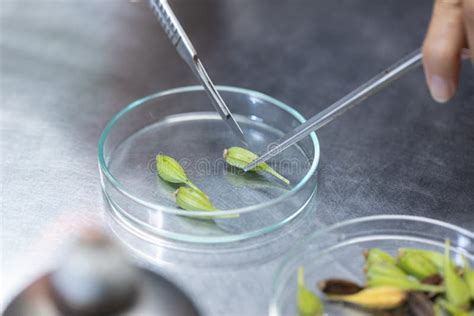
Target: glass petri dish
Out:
[336,252]
[182,123]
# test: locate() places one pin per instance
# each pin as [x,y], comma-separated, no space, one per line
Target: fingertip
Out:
[441,70]
[441,64]
[441,89]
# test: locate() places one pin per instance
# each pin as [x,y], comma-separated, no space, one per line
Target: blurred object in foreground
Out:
[95,278]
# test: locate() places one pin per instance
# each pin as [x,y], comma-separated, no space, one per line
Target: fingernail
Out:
[441,89]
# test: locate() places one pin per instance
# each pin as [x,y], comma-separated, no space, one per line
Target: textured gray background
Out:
[68,66]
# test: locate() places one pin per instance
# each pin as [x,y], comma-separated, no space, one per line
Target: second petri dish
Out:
[337,252]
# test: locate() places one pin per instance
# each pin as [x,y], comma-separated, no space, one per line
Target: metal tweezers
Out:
[185,49]
[377,83]
[355,97]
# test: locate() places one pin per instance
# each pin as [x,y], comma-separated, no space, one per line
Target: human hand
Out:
[450,30]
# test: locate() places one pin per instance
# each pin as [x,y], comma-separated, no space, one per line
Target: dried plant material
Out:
[420,305]
[338,287]
[382,297]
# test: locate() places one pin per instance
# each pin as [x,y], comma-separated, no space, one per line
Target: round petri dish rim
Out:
[171,210]
[296,252]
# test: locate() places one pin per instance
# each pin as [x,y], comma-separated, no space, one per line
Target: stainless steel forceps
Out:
[185,49]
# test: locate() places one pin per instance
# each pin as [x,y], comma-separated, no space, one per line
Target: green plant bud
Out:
[382,297]
[457,291]
[308,303]
[383,274]
[419,304]
[171,171]
[385,270]
[469,277]
[240,157]
[417,265]
[195,200]
[435,257]
[375,255]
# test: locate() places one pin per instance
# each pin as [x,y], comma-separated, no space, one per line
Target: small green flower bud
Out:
[417,265]
[375,255]
[240,157]
[435,257]
[170,170]
[193,200]
[384,274]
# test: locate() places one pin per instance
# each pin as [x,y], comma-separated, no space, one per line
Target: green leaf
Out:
[308,303]
[469,277]
[457,292]
[451,308]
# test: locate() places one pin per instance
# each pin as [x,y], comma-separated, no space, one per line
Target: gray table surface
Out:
[68,66]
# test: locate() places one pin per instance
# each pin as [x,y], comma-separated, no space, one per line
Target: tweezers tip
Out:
[248,167]
[243,140]
[237,130]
